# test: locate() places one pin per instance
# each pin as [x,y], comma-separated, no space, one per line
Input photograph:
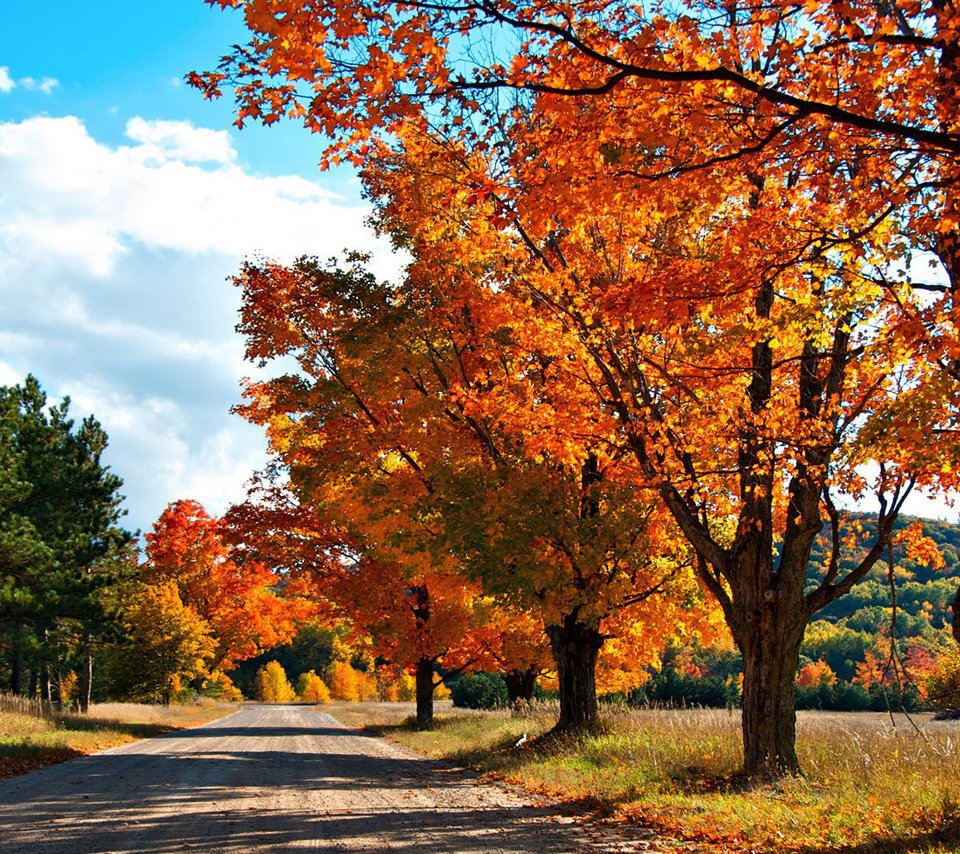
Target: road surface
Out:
[277,778]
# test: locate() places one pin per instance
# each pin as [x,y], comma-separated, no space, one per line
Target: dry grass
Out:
[33,735]
[872,785]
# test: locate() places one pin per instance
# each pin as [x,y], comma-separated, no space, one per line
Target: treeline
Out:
[61,546]
[84,613]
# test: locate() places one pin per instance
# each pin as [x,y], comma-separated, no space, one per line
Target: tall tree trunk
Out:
[32,684]
[16,667]
[575,646]
[425,693]
[45,695]
[770,661]
[520,684]
[86,676]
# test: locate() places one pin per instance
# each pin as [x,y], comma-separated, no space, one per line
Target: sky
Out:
[127,202]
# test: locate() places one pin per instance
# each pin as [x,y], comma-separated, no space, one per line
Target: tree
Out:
[750,381]
[311,688]
[169,643]
[239,598]
[272,685]
[380,431]
[59,536]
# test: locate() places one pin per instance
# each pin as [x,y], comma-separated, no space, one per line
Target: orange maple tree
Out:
[239,600]
[751,333]
[381,429]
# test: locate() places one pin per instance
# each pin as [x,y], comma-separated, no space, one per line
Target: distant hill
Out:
[923,593]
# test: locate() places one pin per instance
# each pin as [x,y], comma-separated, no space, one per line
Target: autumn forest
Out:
[676,338]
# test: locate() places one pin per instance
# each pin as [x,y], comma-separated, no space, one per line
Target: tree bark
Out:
[520,684]
[16,668]
[86,677]
[425,693]
[575,646]
[770,661]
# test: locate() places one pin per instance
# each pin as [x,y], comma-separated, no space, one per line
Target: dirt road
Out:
[275,778]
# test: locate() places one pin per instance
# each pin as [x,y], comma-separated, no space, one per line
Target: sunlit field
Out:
[873,783]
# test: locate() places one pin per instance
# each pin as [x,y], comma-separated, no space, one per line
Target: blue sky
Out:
[126,202]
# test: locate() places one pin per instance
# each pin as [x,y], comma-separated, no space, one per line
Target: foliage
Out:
[395,686]
[587,189]
[59,536]
[447,513]
[239,598]
[311,648]
[941,686]
[219,686]
[311,688]
[347,683]
[168,643]
[479,691]
[272,685]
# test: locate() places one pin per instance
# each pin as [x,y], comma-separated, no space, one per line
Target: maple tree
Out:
[378,429]
[238,598]
[751,332]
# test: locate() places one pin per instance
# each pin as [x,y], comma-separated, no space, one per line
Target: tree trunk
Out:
[45,695]
[520,684]
[86,677]
[16,668]
[32,684]
[425,693]
[575,646]
[770,659]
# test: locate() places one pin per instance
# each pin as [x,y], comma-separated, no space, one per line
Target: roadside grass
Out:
[873,784]
[32,736]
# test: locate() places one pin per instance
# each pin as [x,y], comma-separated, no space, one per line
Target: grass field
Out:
[31,737]
[873,784]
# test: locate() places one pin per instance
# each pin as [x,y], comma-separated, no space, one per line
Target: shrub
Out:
[272,685]
[312,689]
[479,691]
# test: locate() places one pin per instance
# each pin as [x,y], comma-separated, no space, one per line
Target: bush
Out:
[272,685]
[312,689]
[479,691]
[675,689]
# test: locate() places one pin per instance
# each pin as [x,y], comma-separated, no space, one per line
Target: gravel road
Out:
[276,778]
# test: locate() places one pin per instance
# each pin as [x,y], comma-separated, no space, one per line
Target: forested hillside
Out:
[846,658]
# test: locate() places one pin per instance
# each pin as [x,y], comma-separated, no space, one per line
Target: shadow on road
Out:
[267,787]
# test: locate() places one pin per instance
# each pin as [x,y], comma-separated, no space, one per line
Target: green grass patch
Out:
[872,784]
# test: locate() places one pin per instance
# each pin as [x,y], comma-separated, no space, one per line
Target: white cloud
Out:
[113,261]
[68,196]
[46,85]
[183,141]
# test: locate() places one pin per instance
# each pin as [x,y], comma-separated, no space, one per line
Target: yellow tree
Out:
[169,643]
